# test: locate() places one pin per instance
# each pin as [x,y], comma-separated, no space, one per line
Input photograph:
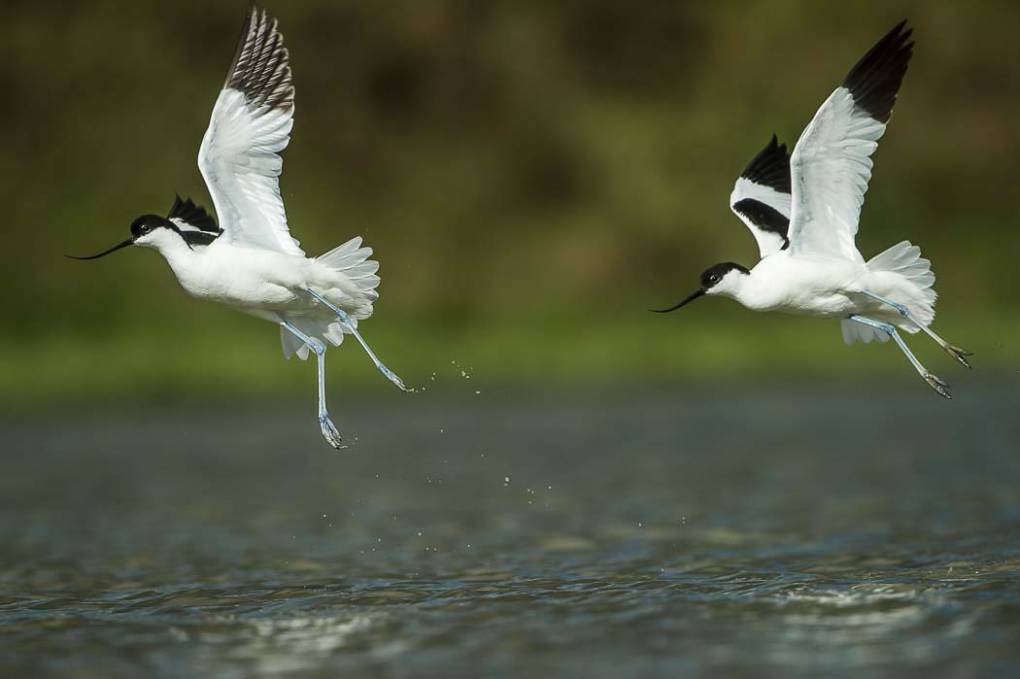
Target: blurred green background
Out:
[532,175]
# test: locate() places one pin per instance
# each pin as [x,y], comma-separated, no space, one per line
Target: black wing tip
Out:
[770,167]
[187,211]
[261,66]
[875,80]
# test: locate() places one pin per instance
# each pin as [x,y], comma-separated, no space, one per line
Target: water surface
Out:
[746,531]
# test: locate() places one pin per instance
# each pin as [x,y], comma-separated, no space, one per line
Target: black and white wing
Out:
[761,197]
[831,162]
[250,125]
[195,225]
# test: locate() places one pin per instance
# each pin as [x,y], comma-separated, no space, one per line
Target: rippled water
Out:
[745,531]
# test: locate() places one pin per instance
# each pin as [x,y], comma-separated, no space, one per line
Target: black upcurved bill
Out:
[690,298]
[129,241]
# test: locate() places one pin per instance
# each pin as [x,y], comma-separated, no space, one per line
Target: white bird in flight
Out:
[803,211]
[250,261]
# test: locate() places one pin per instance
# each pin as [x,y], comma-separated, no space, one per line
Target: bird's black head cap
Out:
[148,223]
[711,276]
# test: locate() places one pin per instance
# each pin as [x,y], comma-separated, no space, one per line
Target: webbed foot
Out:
[959,354]
[393,377]
[938,384]
[330,432]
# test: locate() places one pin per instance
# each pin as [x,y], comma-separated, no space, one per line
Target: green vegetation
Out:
[241,360]
[533,176]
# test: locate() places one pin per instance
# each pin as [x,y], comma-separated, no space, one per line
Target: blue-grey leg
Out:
[956,352]
[345,319]
[934,381]
[329,430]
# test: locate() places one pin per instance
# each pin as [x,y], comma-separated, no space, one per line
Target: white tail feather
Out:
[913,282]
[905,259]
[353,261]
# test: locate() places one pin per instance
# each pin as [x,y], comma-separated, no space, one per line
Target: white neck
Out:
[174,250]
[754,291]
[735,286]
[741,291]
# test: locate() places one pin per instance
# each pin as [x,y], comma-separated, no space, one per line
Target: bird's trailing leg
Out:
[956,352]
[348,323]
[934,381]
[329,430]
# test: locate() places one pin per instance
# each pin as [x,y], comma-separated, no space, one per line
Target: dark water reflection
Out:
[656,534]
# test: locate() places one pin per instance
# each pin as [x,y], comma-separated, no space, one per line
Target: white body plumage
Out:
[250,260]
[274,285]
[803,210]
[832,288]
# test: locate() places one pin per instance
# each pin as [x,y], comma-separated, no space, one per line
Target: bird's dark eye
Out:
[714,278]
[143,225]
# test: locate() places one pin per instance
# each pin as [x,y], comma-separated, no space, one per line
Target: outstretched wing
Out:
[761,197]
[251,122]
[831,163]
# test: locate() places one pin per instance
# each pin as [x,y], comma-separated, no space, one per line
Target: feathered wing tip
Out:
[770,167]
[261,66]
[875,80]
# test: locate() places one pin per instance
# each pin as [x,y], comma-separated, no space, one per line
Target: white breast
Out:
[816,287]
[239,276]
